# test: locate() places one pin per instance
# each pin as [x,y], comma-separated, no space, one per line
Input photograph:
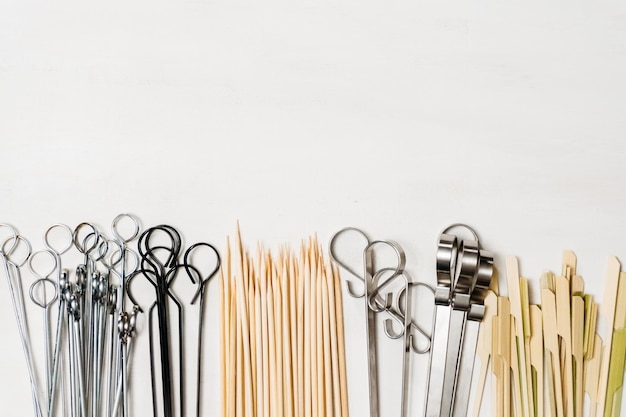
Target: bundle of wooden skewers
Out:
[282,333]
[546,358]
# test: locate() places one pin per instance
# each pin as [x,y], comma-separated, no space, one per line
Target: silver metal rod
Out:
[434,392]
[455,341]
[466,369]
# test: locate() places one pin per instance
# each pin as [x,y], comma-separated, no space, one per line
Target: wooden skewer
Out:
[239,378]
[519,405]
[592,375]
[564,329]
[308,390]
[223,337]
[271,328]
[286,285]
[334,346]
[282,334]
[611,285]
[321,366]
[520,335]
[483,347]
[278,328]
[258,346]
[617,360]
[250,295]
[300,334]
[591,318]
[242,307]
[314,342]
[537,358]
[551,343]
[578,332]
[341,344]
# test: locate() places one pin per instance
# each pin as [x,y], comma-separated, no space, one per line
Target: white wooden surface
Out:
[303,116]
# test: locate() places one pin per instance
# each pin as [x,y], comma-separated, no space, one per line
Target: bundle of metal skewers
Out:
[464,272]
[88,325]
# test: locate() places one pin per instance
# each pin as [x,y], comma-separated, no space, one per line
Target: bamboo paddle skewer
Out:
[578,330]
[611,283]
[483,348]
[592,375]
[519,363]
[537,359]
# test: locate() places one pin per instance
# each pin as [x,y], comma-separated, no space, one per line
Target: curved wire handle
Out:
[202,281]
[148,250]
[401,306]
[58,251]
[93,235]
[116,232]
[14,234]
[45,303]
[6,253]
[337,259]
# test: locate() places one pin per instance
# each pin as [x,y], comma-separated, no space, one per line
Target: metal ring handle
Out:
[116,232]
[42,282]
[37,254]
[49,245]
[14,235]
[16,241]
[333,253]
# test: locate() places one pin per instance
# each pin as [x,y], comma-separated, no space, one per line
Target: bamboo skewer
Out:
[537,359]
[313,336]
[287,346]
[336,394]
[308,406]
[341,339]
[608,315]
[260,363]
[483,348]
[281,334]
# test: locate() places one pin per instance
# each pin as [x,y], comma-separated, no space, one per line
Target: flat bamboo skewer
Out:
[564,329]
[483,347]
[592,375]
[551,343]
[537,359]
[608,314]
[519,363]
[578,330]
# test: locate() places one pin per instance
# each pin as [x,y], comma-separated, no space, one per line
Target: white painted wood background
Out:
[303,116]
